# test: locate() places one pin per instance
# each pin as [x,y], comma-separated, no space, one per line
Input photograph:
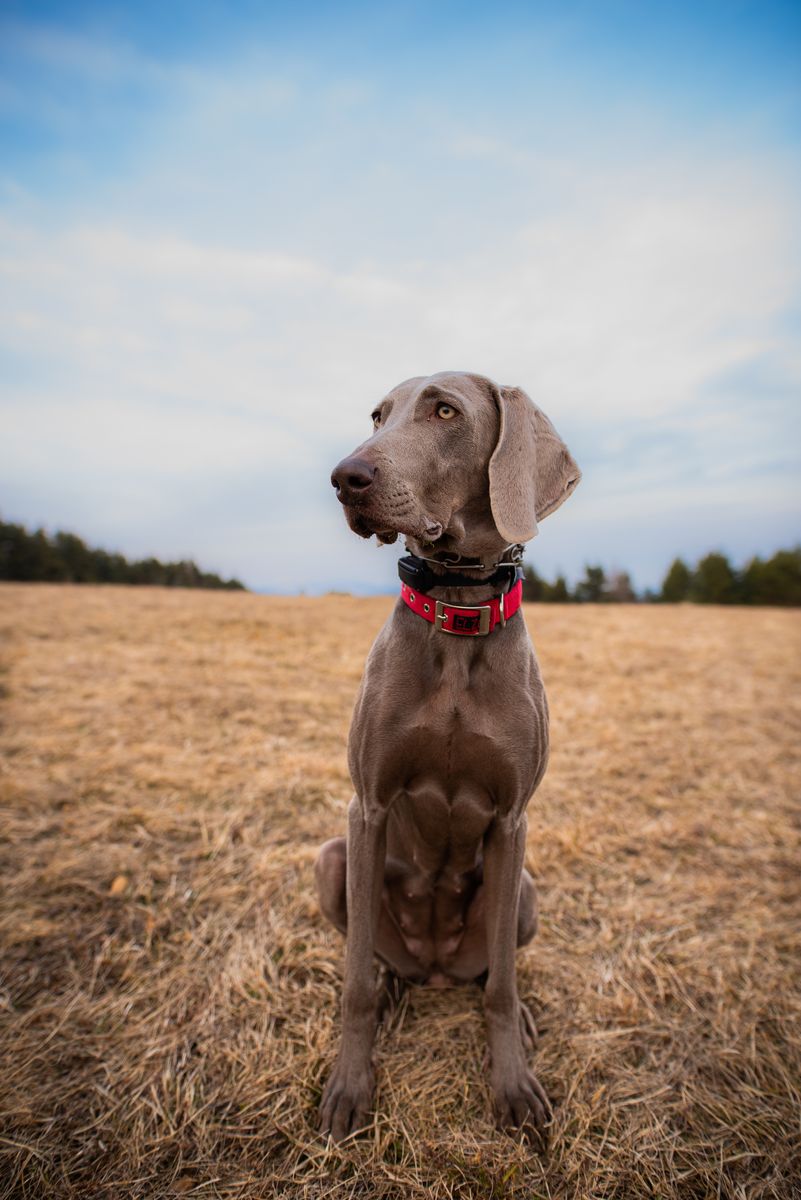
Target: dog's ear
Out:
[531,471]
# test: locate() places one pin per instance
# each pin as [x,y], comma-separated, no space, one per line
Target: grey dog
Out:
[449,737]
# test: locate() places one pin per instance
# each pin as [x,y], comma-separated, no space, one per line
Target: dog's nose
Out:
[352,478]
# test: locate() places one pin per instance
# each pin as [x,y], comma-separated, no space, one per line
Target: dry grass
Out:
[171,761]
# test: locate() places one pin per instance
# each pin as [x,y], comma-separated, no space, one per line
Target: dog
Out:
[449,738]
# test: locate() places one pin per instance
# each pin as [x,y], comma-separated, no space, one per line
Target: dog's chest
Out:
[449,732]
[451,760]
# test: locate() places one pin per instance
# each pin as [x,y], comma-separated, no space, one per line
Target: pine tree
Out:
[532,585]
[676,584]
[777,581]
[557,592]
[714,581]
[592,588]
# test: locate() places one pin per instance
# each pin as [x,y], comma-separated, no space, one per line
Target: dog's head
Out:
[455,459]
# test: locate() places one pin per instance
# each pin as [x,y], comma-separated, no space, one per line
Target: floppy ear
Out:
[531,471]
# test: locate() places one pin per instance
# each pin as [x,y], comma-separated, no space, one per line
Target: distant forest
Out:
[65,558]
[713,580]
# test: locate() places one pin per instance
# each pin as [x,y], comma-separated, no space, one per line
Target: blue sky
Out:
[226,231]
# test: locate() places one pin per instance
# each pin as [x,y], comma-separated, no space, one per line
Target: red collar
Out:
[465,619]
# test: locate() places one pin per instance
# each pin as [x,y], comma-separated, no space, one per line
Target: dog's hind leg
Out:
[331,874]
[391,990]
[330,869]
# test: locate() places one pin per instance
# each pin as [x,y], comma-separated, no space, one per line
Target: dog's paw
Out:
[346,1102]
[521,1103]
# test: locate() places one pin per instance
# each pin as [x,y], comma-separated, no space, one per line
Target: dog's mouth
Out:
[387,529]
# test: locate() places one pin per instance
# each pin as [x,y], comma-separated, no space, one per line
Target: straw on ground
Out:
[171,761]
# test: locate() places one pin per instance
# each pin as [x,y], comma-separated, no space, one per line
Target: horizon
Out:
[225,236]
[640,594]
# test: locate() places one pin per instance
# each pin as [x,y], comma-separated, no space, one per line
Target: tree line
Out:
[713,580]
[65,558]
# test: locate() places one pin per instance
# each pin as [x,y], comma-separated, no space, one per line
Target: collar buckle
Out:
[460,622]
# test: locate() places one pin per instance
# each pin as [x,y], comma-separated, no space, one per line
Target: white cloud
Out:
[626,299]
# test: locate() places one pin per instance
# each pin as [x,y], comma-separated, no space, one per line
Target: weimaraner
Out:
[449,737]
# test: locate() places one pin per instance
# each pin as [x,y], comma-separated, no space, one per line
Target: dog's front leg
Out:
[519,1099]
[348,1094]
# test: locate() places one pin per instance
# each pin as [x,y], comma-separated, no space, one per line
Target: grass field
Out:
[171,761]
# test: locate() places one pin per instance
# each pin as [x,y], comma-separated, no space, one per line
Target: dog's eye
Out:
[376,418]
[446,411]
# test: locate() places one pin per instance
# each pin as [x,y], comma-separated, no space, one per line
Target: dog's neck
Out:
[476,554]
[448,561]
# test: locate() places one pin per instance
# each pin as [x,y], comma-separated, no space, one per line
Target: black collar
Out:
[417,573]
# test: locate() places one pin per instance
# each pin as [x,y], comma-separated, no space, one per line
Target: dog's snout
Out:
[352,478]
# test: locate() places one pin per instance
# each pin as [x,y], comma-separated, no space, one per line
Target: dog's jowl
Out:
[449,738]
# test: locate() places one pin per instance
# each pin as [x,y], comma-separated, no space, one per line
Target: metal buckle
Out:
[484,611]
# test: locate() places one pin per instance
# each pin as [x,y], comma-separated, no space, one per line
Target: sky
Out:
[226,231]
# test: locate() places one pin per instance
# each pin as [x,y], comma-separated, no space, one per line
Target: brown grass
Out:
[171,760]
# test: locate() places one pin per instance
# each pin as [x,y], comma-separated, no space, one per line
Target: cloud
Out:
[190,349]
